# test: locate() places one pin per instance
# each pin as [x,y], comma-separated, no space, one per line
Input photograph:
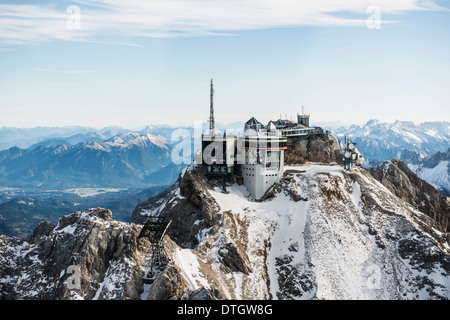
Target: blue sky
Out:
[133,63]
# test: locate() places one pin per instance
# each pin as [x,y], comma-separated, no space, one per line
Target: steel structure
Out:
[350,154]
[211,109]
[154,229]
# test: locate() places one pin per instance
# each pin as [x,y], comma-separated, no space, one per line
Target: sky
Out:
[133,63]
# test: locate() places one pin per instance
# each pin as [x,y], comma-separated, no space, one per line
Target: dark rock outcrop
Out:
[234,259]
[316,149]
[205,294]
[167,285]
[409,156]
[89,245]
[405,184]
[43,229]
[187,203]
[434,160]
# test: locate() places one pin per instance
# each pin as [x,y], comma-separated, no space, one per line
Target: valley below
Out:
[21,210]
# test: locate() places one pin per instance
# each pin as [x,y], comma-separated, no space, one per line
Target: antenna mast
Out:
[211,110]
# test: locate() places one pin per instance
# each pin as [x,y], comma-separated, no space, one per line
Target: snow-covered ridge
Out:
[325,234]
[128,140]
[382,141]
[435,170]
[102,249]
[320,233]
[438,176]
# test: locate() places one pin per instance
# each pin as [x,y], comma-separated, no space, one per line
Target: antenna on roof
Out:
[211,109]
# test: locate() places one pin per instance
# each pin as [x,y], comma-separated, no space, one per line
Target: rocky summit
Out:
[319,233]
[397,176]
[105,254]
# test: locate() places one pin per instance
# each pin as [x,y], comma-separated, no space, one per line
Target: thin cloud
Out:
[114,43]
[61,71]
[25,23]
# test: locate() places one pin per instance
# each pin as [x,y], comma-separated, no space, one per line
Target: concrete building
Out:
[263,161]
[256,157]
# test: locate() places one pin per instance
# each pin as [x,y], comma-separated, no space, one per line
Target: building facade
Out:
[256,157]
[263,160]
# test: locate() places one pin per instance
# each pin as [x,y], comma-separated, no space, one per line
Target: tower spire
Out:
[211,109]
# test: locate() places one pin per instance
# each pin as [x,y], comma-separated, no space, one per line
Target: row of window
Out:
[265,144]
[304,131]
[267,175]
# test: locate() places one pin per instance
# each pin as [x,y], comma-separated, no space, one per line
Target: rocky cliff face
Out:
[104,253]
[436,171]
[404,183]
[187,203]
[317,149]
[320,233]
[408,156]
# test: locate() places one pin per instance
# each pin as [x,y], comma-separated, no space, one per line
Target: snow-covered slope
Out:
[104,251]
[435,170]
[438,176]
[321,233]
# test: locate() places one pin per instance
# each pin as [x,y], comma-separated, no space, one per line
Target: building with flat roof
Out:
[255,158]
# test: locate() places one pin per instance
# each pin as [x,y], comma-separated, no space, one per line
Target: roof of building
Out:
[252,121]
[271,126]
[254,124]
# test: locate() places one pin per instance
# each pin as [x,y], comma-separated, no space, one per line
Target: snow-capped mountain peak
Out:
[373,122]
[382,141]
[129,140]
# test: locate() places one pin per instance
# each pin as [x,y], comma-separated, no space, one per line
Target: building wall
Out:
[260,164]
[257,177]
[222,148]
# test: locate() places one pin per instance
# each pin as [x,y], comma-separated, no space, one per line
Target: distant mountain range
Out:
[45,162]
[26,137]
[127,160]
[29,138]
[111,167]
[379,141]
[425,147]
